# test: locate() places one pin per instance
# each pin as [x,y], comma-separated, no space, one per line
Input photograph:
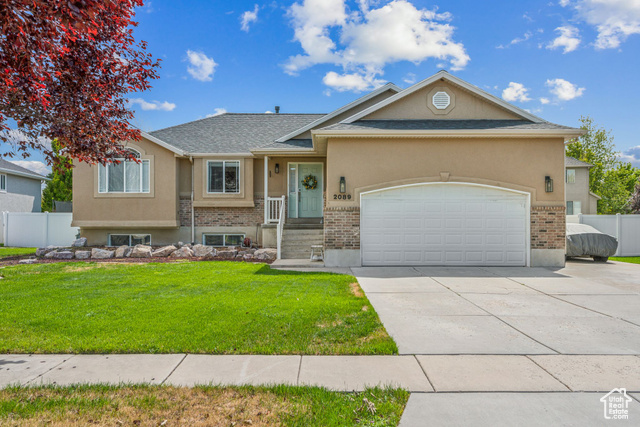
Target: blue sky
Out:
[558,59]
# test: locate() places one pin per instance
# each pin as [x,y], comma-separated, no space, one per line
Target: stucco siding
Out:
[579,191]
[23,194]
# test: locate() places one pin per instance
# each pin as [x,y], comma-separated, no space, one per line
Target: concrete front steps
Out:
[297,241]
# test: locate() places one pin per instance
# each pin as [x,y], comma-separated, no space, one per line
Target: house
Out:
[579,199]
[440,173]
[20,188]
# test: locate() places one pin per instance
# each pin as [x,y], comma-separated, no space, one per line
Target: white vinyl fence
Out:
[625,228]
[37,230]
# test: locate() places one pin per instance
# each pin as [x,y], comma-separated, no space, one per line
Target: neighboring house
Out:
[440,173]
[20,188]
[579,199]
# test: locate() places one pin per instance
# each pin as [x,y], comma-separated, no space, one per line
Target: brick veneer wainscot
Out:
[222,216]
[342,228]
[548,227]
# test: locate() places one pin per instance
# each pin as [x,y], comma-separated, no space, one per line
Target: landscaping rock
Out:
[123,251]
[266,254]
[164,251]
[63,255]
[141,251]
[79,243]
[211,255]
[179,245]
[101,253]
[247,257]
[183,252]
[227,254]
[50,255]
[202,250]
[28,261]
[83,254]
[40,252]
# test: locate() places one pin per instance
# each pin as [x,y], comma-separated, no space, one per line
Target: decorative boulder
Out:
[50,255]
[247,257]
[141,251]
[265,254]
[164,251]
[183,252]
[79,243]
[227,254]
[43,251]
[83,254]
[97,253]
[211,255]
[63,255]
[28,261]
[202,250]
[123,251]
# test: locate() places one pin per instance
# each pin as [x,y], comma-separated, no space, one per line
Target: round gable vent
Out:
[441,100]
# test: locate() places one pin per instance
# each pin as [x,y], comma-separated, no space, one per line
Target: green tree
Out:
[635,200]
[609,178]
[60,186]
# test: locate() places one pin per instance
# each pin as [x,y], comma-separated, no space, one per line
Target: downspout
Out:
[193,219]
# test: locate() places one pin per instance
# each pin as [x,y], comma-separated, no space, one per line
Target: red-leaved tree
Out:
[65,69]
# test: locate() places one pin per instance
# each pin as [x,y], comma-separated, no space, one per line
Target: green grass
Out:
[191,307]
[11,252]
[629,259]
[153,405]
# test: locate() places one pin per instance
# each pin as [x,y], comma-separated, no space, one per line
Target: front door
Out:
[305,190]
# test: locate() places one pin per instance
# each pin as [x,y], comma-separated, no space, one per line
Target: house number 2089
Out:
[342,197]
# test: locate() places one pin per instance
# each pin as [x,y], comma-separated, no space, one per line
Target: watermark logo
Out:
[616,404]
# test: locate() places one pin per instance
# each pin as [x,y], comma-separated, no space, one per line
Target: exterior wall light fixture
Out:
[343,185]
[277,168]
[548,184]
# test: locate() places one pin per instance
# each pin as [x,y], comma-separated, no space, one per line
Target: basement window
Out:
[129,239]
[223,240]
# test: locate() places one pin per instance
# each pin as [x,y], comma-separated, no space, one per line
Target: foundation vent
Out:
[441,100]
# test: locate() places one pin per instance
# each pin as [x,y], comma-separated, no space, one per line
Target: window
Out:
[223,176]
[125,177]
[129,239]
[3,183]
[574,208]
[223,239]
[571,176]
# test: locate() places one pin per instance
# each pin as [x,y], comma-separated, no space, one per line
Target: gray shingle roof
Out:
[234,133]
[573,162]
[7,166]
[445,125]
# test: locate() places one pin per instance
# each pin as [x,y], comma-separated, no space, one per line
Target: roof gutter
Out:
[454,133]
[24,174]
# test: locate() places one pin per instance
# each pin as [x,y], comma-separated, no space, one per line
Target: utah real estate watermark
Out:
[616,404]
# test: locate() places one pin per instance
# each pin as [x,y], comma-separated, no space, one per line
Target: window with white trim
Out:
[3,183]
[129,239]
[223,240]
[571,176]
[223,176]
[574,208]
[128,176]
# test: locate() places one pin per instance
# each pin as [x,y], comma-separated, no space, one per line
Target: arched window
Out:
[128,176]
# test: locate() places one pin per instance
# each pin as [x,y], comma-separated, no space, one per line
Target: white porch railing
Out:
[274,206]
[280,227]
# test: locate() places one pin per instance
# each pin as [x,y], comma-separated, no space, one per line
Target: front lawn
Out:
[629,259]
[11,252]
[172,406]
[186,307]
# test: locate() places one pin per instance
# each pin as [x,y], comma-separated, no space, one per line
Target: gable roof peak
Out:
[445,75]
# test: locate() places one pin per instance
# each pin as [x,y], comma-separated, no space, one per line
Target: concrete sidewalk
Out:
[416,373]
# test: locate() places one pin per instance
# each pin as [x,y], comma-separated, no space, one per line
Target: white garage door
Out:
[443,224]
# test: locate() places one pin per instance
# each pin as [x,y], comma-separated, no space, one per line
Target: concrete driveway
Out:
[584,308]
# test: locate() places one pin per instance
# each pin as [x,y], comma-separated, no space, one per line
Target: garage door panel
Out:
[440,224]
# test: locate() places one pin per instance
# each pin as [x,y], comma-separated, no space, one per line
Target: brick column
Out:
[548,227]
[342,228]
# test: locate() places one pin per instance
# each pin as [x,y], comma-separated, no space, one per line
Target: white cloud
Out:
[364,41]
[564,90]
[516,92]
[569,39]
[517,40]
[351,82]
[410,78]
[153,105]
[632,155]
[14,136]
[544,101]
[202,67]
[33,165]
[615,20]
[217,112]
[249,17]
